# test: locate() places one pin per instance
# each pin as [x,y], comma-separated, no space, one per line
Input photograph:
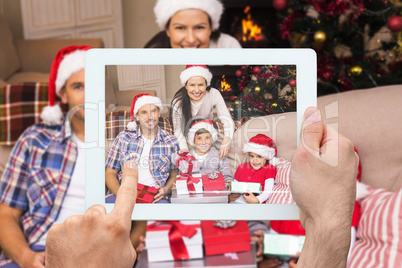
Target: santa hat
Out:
[261,145]
[68,61]
[139,101]
[165,9]
[208,125]
[195,70]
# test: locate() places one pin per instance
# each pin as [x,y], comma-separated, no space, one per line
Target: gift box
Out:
[186,163]
[173,240]
[283,246]
[213,182]
[200,198]
[243,187]
[145,194]
[188,184]
[220,241]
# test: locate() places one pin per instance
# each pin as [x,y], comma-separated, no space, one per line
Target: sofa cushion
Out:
[379,237]
[28,77]
[9,63]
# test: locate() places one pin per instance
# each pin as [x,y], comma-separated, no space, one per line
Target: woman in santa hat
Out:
[190,24]
[198,100]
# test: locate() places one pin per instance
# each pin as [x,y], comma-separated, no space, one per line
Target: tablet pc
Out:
[303,61]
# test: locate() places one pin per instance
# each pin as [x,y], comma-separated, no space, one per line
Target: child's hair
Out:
[202,131]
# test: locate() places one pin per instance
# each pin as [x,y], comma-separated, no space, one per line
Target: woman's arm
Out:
[177,126]
[223,113]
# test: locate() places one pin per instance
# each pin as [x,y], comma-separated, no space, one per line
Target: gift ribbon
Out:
[143,192]
[190,182]
[176,232]
[188,158]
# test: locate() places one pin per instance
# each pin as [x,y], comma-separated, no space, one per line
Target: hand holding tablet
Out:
[97,239]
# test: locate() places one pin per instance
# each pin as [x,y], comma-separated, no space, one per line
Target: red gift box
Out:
[215,184]
[145,194]
[221,241]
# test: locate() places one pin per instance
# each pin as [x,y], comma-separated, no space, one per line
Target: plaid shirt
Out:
[129,145]
[37,176]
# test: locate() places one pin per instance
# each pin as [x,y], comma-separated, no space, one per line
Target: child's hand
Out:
[228,185]
[258,238]
[250,198]
[233,197]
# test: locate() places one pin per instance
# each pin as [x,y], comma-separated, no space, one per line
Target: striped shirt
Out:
[37,176]
[128,145]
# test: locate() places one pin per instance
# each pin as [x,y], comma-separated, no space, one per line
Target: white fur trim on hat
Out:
[52,115]
[70,64]
[264,151]
[202,125]
[165,9]
[132,126]
[195,71]
[144,100]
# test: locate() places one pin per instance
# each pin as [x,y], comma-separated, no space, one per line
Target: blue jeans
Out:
[35,248]
[112,199]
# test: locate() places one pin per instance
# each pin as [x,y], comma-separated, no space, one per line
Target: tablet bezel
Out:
[305,61]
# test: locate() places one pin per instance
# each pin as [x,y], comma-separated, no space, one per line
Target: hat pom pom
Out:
[132,126]
[52,115]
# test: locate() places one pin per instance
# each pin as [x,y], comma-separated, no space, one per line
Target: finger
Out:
[312,131]
[127,194]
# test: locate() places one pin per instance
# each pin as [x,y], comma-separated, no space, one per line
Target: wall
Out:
[11,10]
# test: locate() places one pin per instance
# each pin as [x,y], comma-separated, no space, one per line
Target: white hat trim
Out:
[202,125]
[52,115]
[70,64]
[144,100]
[264,151]
[195,71]
[132,126]
[165,9]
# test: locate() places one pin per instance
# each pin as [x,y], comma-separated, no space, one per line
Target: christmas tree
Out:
[358,43]
[264,90]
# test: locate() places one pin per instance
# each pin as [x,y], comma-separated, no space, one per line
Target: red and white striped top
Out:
[281,192]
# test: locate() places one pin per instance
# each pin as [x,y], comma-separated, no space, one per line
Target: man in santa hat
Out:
[148,145]
[43,181]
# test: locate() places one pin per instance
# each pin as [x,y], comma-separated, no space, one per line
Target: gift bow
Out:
[188,158]
[213,176]
[190,182]
[176,232]
[225,224]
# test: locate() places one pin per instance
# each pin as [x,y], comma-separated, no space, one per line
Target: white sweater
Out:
[203,109]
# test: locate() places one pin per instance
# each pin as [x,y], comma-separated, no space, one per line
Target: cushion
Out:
[281,192]
[32,77]
[379,234]
[9,63]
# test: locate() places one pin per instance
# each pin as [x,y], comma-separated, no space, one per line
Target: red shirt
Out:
[246,173]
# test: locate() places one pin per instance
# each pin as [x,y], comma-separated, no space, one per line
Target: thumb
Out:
[312,131]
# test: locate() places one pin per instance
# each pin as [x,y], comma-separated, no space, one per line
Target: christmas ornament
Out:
[356,70]
[238,73]
[394,23]
[292,83]
[280,4]
[274,105]
[236,102]
[257,91]
[320,37]
[256,70]
[232,98]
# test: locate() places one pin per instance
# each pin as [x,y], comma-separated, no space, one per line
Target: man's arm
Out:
[13,241]
[165,190]
[112,182]
[323,185]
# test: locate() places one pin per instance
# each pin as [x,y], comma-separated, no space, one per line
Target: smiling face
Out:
[256,161]
[148,116]
[196,87]
[189,28]
[73,93]
[202,143]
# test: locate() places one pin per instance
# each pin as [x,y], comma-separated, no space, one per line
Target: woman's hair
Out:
[162,40]
[181,97]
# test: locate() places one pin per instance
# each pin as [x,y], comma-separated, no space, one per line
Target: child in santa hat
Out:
[260,149]
[202,136]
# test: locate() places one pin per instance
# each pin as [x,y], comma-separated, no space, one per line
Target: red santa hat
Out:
[138,101]
[208,125]
[261,145]
[165,9]
[68,61]
[195,70]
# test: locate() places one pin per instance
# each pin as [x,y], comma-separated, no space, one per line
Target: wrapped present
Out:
[213,182]
[243,187]
[173,240]
[188,184]
[283,246]
[145,194]
[186,163]
[218,240]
